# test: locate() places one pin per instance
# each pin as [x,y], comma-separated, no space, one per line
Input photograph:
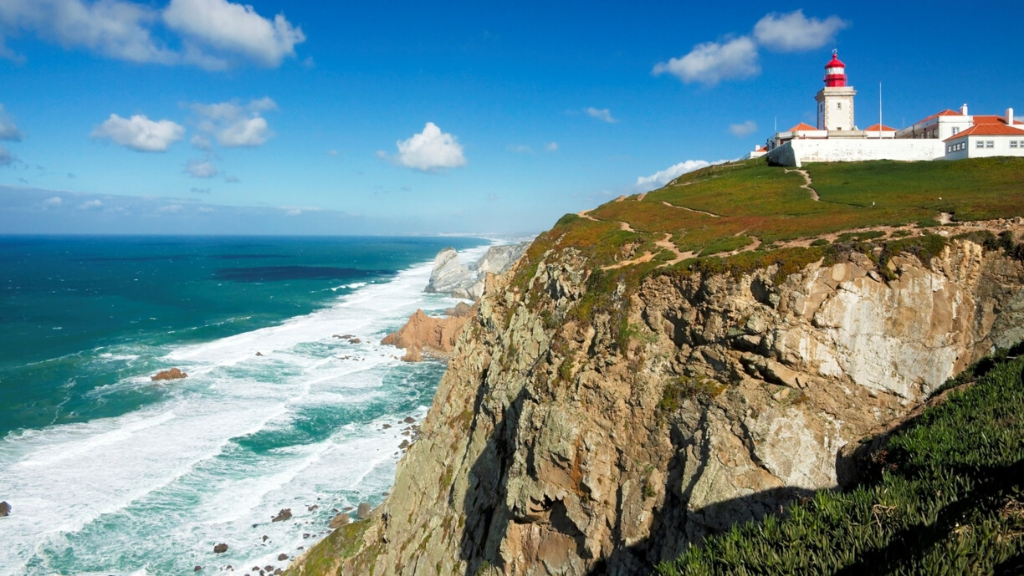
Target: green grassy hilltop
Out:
[750,206]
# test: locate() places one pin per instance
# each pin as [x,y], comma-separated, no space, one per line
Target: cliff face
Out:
[564,442]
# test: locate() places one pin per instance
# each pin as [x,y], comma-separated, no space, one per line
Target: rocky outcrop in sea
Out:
[450,276]
[430,336]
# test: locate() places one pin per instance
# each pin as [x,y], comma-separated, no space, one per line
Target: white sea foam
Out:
[241,438]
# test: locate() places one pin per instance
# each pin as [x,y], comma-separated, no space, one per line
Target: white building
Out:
[947,135]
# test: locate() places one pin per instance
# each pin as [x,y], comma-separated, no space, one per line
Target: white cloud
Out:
[90,204]
[123,30]
[170,209]
[234,125]
[520,149]
[551,146]
[734,58]
[201,168]
[745,129]
[603,114]
[297,210]
[9,54]
[234,28]
[8,131]
[140,133]
[54,202]
[114,28]
[245,132]
[196,190]
[430,150]
[660,178]
[332,153]
[794,32]
[200,142]
[712,62]
[6,158]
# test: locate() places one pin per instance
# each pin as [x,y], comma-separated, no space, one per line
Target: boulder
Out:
[282,557]
[5,509]
[339,520]
[363,512]
[284,514]
[220,548]
[409,420]
[172,374]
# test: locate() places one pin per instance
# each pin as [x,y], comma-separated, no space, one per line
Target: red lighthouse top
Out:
[835,72]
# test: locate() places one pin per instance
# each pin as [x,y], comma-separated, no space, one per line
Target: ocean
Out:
[285,404]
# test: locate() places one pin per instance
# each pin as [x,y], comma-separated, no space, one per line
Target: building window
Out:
[839,105]
[989,144]
[1013,143]
[956,131]
[980,144]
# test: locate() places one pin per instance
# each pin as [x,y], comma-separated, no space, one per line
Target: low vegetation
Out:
[744,216]
[721,209]
[944,495]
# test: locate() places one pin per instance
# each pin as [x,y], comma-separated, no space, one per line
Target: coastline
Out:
[213,416]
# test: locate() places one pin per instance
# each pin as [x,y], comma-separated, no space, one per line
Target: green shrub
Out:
[685,387]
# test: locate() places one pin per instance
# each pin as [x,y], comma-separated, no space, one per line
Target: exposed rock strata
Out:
[560,447]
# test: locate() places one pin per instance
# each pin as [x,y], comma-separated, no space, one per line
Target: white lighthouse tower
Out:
[835,100]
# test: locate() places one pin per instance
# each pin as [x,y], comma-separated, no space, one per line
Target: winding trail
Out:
[807,185]
[668,244]
[691,210]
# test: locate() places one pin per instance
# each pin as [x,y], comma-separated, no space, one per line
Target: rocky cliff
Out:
[579,432]
[450,276]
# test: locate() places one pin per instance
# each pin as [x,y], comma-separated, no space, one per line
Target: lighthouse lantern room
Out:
[835,100]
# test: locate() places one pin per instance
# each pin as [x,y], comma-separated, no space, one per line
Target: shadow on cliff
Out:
[485,501]
[674,527]
[488,517]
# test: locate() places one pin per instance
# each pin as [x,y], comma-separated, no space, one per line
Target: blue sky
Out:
[207,116]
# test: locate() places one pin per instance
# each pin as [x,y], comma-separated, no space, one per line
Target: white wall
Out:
[859,150]
[1001,146]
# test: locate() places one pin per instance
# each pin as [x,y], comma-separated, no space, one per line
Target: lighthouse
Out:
[835,100]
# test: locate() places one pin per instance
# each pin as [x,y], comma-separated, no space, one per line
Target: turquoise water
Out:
[110,473]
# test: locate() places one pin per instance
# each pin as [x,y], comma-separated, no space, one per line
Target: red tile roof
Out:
[988,129]
[875,128]
[993,119]
[802,126]
[943,113]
